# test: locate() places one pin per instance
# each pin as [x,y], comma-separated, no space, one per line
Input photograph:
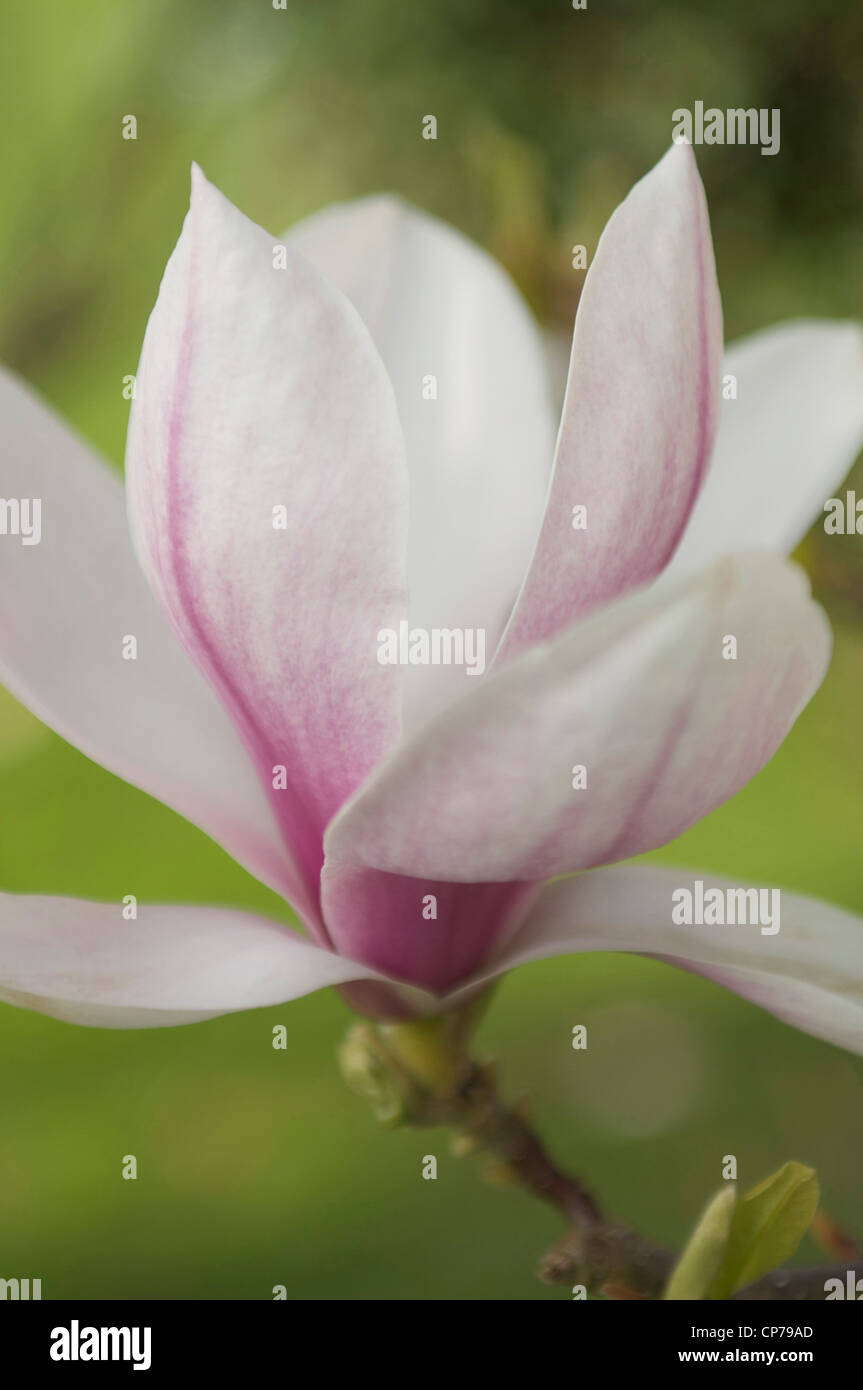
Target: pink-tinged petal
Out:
[259,389]
[480,452]
[67,605]
[81,962]
[424,932]
[640,696]
[809,973]
[784,444]
[641,405]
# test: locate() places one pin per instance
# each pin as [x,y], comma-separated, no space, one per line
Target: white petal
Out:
[268,500]
[81,962]
[66,606]
[640,695]
[809,973]
[784,444]
[641,407]
[480,454]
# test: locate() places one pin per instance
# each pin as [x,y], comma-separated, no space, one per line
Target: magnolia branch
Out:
[419,1074]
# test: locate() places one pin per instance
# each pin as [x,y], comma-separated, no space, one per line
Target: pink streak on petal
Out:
[261,386]
[641,407]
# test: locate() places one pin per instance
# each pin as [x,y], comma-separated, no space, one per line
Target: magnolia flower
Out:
[350,431]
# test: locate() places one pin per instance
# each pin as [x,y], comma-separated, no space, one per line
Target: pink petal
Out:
[641,405]
[260,388]
[385,920]
[480,452]
[640,695]
[82,962]
[809,973]
[66,606]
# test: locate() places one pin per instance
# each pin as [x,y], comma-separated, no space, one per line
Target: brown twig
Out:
[480,1115]
[415,1084]
[596,1253]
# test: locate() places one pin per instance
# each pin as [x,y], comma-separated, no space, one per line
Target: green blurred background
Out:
[256,1167]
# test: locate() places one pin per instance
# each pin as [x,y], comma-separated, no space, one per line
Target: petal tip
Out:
[198,180]
[680,163]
